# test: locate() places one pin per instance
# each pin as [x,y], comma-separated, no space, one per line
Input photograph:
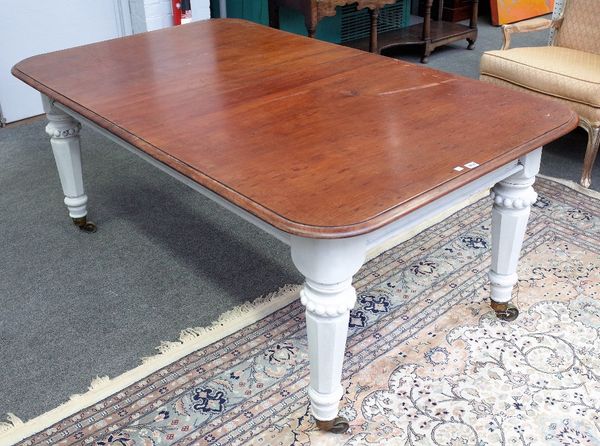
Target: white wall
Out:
[39,26]
[148,15]
[200,10]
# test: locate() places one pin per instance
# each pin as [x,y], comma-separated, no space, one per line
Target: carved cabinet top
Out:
[327,7]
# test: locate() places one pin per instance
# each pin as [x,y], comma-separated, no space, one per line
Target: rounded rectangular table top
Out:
[316,139]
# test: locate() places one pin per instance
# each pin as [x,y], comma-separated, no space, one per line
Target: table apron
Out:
[429,211]
[373,239]
[281,235]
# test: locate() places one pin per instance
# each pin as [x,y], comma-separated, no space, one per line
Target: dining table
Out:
[329,149]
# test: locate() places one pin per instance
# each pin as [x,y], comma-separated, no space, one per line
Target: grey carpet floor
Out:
[75,305]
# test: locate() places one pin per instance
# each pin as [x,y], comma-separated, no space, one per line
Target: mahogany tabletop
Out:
[316,139]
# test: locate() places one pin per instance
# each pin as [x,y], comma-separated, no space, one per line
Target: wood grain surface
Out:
[316,139]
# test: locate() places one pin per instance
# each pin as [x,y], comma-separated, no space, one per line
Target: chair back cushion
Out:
[581,26]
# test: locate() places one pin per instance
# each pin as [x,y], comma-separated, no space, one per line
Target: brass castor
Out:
[84,225]
[338,425]
[505,311]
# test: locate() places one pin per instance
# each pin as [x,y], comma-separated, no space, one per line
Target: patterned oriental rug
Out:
[427,363]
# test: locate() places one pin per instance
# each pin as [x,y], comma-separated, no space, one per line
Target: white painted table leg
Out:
[513,198]
[64,137]
[328,295]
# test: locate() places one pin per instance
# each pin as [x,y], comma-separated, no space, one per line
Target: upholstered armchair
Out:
[568,70]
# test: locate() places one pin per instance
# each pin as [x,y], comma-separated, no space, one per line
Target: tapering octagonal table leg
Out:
[513,198]
[64,137]
[328,295]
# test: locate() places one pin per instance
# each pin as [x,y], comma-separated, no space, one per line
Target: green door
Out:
[292,21]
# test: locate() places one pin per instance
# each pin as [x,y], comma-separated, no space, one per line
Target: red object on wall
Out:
[176,12]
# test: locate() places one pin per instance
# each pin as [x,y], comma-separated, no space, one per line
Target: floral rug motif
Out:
[426,363]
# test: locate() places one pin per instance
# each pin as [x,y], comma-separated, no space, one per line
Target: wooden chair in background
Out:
[568,70]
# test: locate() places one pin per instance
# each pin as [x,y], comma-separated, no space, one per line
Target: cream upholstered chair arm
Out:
[526,26]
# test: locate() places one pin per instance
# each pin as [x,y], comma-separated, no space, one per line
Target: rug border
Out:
[192,339]
[571,184]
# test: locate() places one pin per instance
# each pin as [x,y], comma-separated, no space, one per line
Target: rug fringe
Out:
[191,339]
[12,421]
[575,186]
[97,383]
[191,334]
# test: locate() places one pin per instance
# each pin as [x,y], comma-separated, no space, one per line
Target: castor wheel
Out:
[85,225]
[505,311]
[338,425]
[471,44]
